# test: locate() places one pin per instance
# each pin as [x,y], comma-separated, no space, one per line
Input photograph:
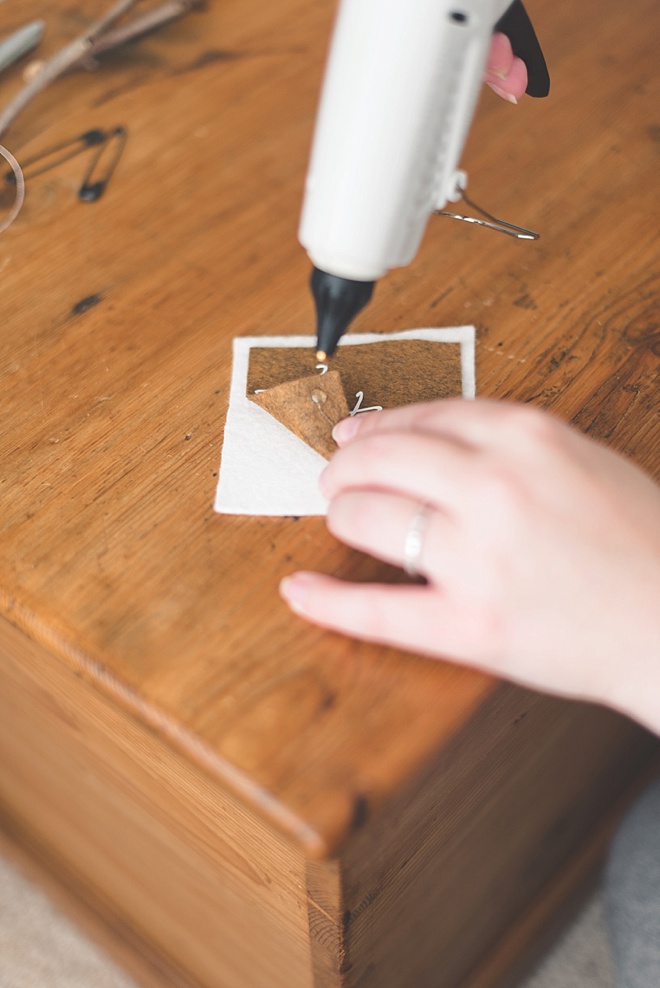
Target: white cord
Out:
[20,188]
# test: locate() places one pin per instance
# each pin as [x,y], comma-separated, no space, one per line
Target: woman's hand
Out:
[541,549]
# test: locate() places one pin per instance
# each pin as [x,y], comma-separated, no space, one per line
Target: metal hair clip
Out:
[492,222]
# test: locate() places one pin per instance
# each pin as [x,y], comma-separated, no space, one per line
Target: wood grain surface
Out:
[181,873]
[116,322]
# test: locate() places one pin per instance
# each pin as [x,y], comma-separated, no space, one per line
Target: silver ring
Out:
[414,543]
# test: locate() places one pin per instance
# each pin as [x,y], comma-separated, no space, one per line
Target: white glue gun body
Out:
[399,94]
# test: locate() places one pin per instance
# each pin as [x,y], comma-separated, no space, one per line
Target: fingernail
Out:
[294,591]
[346,430]
[501,92]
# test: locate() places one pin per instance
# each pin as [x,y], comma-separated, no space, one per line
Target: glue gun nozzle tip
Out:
[321,356]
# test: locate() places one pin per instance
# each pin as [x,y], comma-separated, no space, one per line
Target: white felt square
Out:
[265,469]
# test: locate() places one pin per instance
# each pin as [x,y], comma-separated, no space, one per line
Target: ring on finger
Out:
[414,541]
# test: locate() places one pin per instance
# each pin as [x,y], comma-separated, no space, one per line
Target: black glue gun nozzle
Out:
[338,301]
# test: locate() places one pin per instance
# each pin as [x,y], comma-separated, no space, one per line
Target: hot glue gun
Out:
[400,89]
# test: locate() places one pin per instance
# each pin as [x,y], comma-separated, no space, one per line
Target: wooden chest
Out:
[237,799]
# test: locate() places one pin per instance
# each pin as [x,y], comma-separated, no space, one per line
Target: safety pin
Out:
[76,145]
[492,222]
[90,190]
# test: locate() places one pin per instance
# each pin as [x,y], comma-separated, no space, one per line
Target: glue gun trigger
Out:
[515,23]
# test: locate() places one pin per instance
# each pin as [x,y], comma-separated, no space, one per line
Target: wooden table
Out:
[238,799]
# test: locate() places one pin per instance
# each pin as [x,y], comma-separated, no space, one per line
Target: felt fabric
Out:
[390,373]
[266,469]
[309,407]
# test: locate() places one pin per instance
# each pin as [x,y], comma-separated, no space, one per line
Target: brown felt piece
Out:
[391,373]
[309,407]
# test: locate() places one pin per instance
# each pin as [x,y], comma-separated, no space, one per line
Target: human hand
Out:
[506,74]
[541,549]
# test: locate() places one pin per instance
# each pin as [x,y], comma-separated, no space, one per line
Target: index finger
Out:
[469,422]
